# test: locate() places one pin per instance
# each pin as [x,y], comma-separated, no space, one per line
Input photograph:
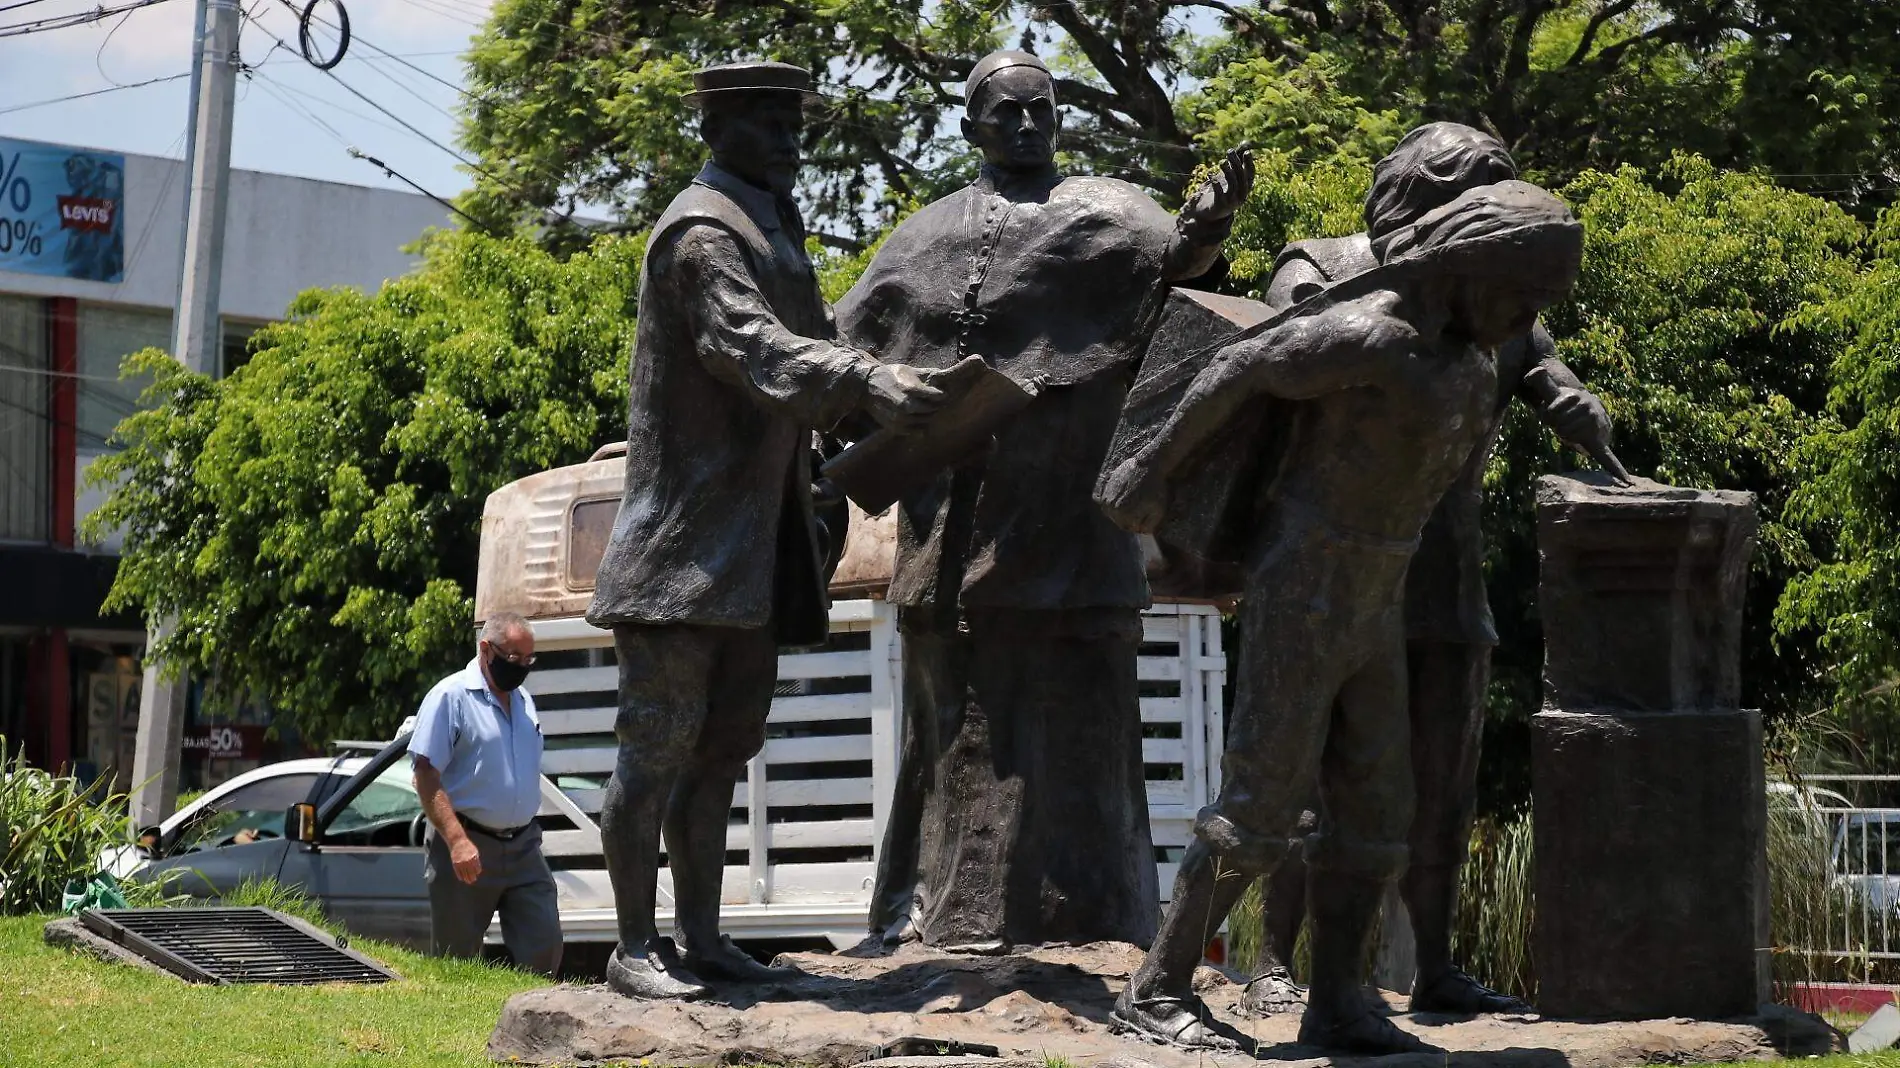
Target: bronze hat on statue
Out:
[731,79]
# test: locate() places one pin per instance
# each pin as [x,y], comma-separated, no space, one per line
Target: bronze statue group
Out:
[1328,459]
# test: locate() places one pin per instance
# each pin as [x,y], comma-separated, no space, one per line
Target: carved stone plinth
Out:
[1649,802]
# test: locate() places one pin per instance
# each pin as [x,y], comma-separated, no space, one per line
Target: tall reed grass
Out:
[52,830]
[1497,907]
[1819,931]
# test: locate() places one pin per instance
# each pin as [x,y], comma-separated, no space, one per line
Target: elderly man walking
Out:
[477,752]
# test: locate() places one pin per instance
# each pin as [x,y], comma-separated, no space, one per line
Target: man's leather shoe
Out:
[1455,993]
[656,974]
[727,961]
[1367,1033]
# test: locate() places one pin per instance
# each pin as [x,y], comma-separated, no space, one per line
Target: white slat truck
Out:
[809,817]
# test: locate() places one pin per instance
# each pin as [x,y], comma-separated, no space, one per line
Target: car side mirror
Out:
[147,841]
[300,823]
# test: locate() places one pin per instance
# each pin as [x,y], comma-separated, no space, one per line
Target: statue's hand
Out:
[901,397]
[1225,191]
[1578,417]
[1132,496]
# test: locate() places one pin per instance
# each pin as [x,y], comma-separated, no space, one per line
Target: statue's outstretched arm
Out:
[1300,359]
[1208,217]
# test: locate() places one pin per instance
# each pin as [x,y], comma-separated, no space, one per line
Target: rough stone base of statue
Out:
[1647,775]
[1042,1006]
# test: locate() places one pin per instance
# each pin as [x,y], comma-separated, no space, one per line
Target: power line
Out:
[77,18]
[353,91]
[95,92]
[78,431]
[407,88]
[297,106]
[406,125]
[419,70]
[358,38]
[164,196]
[357,153]
[441,7]
[391,172]
[285,94]
[49,373]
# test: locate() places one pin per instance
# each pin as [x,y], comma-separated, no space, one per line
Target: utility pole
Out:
[197,340]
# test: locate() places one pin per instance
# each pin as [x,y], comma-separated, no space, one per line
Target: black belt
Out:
[504,836]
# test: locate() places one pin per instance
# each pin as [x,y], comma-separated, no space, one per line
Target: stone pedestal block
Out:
[1651,871]
[1649,800]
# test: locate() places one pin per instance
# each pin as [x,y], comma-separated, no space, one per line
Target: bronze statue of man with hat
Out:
[715,560]
[1021,812]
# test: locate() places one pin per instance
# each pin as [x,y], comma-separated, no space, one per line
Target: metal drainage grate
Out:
[243,945]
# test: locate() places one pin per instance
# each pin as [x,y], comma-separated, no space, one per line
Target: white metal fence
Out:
[801,864]
[1838,831]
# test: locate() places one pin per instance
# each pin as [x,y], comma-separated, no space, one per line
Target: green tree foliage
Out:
[1691,319]
[312,520]
[577,101]
[1850,492]
[1795,87]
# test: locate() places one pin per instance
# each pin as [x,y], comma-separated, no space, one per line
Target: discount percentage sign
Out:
[14,188]
[19,235]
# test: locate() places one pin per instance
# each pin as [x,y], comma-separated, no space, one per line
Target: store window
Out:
[25,421]
[13,693]
[106,683]
[107,335]
[237,345]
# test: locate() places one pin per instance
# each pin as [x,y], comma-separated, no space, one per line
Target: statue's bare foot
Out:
[1178,1021]
[723,960]
[1367,1032]
[1452,991]
[656,974]
[1272,993]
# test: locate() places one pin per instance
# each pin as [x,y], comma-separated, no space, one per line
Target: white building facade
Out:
[90,255]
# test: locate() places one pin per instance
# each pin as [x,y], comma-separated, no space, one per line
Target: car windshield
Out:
[1871,846]
[247,814]
[391,797]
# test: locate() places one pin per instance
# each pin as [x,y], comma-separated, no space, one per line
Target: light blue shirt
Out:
[490,760]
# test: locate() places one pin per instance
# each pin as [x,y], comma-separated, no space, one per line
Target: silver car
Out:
[347,831]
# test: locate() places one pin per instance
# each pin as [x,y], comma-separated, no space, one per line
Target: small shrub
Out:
[52,830]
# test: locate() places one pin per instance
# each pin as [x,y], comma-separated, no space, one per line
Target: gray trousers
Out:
[515,880]
[693,705]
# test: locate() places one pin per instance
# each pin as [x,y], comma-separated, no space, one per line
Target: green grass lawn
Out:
[58,1008]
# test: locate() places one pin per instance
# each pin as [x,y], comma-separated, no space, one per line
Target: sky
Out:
[283,106]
